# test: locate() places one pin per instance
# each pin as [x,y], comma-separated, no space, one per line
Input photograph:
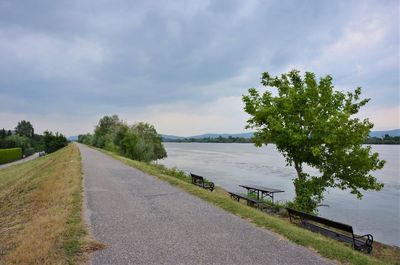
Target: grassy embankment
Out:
[41,211]
[326,247]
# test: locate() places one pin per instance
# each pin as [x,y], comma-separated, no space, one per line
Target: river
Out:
[229,165]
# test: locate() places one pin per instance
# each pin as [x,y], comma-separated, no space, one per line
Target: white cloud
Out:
[190,118]
[64,124]
[386,118]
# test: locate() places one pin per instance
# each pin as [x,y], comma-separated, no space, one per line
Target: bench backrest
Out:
[324,221]
[194,176]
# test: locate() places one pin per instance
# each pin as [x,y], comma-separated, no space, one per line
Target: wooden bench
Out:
[313,223]
[250,201]
[199,181]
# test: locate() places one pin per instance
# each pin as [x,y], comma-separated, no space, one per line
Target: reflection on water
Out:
[229,165]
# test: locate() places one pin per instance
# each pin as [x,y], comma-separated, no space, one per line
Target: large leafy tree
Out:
[25,128]
[141,142]
[313,125]
[105,131]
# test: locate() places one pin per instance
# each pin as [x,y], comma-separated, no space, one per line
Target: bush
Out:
[175,172]
[139,141]
[9,155]
[29,151]
[53,142]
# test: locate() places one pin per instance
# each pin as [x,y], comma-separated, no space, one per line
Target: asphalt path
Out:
[143,220]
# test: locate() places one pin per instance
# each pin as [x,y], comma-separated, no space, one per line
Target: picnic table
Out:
[261,191]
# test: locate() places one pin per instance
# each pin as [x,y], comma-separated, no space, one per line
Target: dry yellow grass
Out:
[41,211]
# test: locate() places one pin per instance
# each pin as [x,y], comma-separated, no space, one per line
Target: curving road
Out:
[143,220]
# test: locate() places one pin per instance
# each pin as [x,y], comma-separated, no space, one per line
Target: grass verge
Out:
[326,247]
[41,211]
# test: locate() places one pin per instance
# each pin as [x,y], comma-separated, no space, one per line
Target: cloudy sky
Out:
[183,65]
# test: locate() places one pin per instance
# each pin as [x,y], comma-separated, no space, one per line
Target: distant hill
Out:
[248,135]
[172,137]
[225,135]
[380,134]
[208,135]
[73,138]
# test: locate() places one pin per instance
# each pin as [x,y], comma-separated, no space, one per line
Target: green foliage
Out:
[105,130]
[175,172]
[86,139]
[139,141]
[25,128]
[23,137]
[313,125]
[53,142]
[3,133]
[9,155]
[37,142]
[14,141]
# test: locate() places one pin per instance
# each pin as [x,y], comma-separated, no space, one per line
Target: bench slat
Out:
[341,226]
[199,181]
[243,196]
[360,243]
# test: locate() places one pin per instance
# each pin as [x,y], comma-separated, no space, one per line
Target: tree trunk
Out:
[305,191]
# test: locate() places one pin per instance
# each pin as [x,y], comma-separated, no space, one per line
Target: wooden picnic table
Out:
[260,190]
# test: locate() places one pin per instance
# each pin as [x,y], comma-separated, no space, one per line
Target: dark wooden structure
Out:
[200,181]
[250,201]
[340,231]
[261,192]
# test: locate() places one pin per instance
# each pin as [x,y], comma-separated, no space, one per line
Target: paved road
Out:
[31,157]
[143,220]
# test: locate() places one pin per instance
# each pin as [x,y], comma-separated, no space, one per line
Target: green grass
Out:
[326,247]
[41,211]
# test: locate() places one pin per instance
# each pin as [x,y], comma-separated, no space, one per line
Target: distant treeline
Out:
[372,140]
[219,139]
[23,136]
[384,140]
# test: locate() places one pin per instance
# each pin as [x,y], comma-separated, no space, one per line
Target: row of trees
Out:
[139,141]
[24,137]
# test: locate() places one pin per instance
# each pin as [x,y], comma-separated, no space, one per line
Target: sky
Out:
[183,66]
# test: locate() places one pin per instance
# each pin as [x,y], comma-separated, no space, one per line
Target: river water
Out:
[229,165]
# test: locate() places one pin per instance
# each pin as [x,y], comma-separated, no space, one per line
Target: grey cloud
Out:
[86,57]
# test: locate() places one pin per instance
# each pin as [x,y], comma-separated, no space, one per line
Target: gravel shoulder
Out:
[143,220]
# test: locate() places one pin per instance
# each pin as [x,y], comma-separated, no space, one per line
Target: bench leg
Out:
[235,198]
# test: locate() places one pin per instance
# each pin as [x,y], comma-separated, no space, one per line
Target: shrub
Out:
[9,155]
[53,142]
[29,151]
[139,141]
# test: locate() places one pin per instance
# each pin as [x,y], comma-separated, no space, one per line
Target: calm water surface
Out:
[229,165]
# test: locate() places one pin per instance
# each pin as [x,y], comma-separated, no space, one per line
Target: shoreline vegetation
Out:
[41,211]
[326,247]
[387,140]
